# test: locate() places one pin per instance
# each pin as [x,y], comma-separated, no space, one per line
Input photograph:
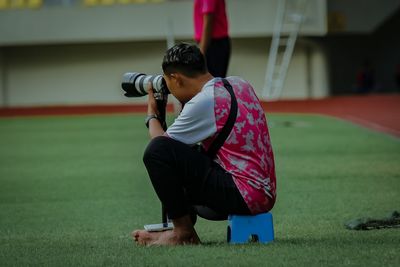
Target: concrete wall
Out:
[136,22]
[2,80]
[76,74]
[307,75]
[347,53]
[319,85]
[387,58]
[361,16]
[76,55]
[91,73]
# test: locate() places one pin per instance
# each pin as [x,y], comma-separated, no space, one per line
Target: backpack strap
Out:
[226,130]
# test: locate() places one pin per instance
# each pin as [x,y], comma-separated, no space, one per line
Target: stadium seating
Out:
[33,4]
[20,4]
[117,2]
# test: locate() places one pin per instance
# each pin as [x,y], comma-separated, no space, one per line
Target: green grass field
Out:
[73,188]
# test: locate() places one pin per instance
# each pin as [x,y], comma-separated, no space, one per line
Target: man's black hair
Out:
[186,59]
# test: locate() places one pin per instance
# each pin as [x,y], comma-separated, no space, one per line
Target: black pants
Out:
[217,56]
[184,177]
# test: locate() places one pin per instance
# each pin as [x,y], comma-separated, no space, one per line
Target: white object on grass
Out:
[158,227]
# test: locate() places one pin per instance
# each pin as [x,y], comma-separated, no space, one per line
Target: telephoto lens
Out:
[136,84]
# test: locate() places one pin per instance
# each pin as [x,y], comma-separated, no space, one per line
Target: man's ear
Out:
[178,78]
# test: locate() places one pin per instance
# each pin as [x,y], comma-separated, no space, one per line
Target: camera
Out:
[136,84]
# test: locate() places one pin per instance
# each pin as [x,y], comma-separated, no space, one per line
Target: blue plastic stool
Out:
[257,228]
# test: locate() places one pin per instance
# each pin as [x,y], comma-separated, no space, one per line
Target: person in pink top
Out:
[238,179]
[211,33]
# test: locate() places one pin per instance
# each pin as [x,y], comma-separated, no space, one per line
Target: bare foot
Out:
[165,238]
[143,237]
[176,237]
[182,234]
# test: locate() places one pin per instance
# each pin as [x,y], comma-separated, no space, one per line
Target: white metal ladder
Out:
[289,17]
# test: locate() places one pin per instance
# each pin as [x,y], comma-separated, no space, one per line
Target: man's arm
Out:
[155,128]
[207,32]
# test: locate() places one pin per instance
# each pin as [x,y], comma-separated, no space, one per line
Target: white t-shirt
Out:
[196,122]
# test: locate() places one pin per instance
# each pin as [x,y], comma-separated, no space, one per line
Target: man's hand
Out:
[155,127]
[151,103]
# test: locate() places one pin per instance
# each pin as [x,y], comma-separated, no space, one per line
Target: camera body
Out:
[136,84]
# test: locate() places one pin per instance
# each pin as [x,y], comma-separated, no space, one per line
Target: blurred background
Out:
[74,52]
[72,188]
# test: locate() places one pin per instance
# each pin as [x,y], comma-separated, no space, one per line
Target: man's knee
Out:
[156,148]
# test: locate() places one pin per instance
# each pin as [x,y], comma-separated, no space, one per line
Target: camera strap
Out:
[226,130]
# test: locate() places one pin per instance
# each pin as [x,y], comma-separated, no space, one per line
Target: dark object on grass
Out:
[392,221]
